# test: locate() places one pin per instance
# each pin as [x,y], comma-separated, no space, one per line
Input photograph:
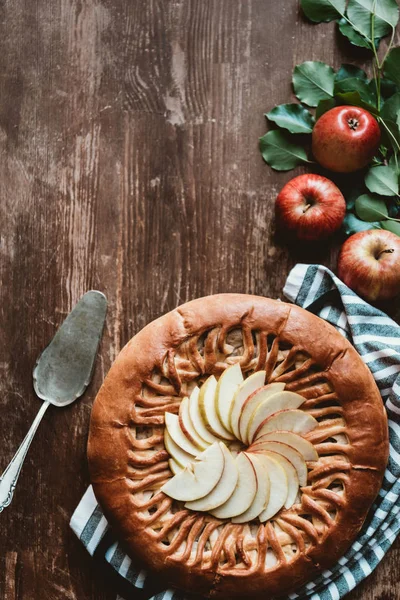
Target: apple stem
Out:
[386,251]
[307,206]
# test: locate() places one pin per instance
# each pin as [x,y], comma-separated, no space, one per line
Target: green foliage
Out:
[350,71]
[370,208]
[324,106]
[382,180]
[391,109]
[388,88]
[354,99]
[353,36]
[313,81]
[374,194]
[323,10]
[293,117]
[352,224]
[392,226]
[390,134]
[351,195]
[352,84]
[386,16]
[392,66]
[282,151]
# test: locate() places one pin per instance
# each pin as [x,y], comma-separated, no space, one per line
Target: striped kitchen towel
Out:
[377,339]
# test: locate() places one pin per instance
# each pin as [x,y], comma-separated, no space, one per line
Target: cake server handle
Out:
[9,479]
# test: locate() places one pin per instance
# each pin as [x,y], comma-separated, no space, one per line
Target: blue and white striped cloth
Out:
[377,339]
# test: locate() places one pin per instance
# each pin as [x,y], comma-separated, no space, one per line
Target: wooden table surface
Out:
[130,164]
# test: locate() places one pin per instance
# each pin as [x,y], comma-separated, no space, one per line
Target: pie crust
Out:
[128,462]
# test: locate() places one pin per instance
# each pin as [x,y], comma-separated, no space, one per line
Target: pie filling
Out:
[237,447]
[263,446]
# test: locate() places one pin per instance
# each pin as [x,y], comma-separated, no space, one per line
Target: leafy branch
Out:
[317,86]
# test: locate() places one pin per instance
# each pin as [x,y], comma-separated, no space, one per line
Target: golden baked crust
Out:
[128,461]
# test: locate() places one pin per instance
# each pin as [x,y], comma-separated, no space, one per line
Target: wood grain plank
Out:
[129,163]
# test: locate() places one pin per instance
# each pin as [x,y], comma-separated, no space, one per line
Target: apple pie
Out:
[236,446]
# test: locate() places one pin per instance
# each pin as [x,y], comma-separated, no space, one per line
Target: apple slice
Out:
[297,421]
[197,419]
[207,405]
[253,402]
[224,488]
[199,477]
[263,490]
[176,433]
[276,402]
[245,389]
[291,475]
[303,446]
[187,427]
[291,454]
[279,486]
[244,492]
[174,466]
[227,384]
[179,456]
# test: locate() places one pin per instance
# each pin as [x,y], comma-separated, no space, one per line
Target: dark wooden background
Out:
[129,164]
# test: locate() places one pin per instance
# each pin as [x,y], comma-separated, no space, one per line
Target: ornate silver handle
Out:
[9,479]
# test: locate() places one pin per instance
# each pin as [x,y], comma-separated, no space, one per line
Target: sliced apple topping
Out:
[227,385]
[188,428]
[199,477]
[197,419]
[249,385]
[288,452]
[179,456]
[262,494]
[212,471]
[224,488]
[208,409]
[291,476]
[253,402]
[244,492]
[303,446]
[279,485]
[174,466]
[278,401]
[297,421]
[176,433]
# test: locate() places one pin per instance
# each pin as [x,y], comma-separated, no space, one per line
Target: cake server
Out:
[62,373]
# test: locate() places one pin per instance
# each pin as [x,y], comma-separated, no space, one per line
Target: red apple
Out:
[310,206]
[369,263]
[345,139]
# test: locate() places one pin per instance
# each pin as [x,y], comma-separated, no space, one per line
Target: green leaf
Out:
[395,163]
[293,117]
[282,151]
[392,66]
[382,180]
[388,88]
[324,106]
[351,224]
[391,109]
[390,133]
[313,81]
[353,36]
[350,71]
[323,10]
[370,208]
[392,226]
[354,99]
[386,16]
[353,84]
